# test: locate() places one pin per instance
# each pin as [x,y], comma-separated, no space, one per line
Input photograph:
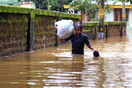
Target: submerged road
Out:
[56,68]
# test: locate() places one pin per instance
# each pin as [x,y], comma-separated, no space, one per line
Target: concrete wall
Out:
[110,29]
[13,31]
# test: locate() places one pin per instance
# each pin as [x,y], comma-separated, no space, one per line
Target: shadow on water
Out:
[56,68]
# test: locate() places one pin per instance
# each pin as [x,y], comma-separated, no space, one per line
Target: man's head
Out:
[78,27]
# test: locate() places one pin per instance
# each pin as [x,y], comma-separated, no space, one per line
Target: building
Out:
[23,3]
[9,2]
[27,5]
[116,12]
[114,15]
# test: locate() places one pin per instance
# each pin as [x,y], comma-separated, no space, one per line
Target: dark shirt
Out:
[78,43]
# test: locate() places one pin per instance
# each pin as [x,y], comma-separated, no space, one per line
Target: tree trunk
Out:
[49,6]
[101,14]
[123,12]
[101,20]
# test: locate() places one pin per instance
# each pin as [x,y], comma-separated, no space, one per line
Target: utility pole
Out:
[101,20]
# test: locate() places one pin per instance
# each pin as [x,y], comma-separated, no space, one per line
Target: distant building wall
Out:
[109,16]
[130,14]
[130,19]
[27,5]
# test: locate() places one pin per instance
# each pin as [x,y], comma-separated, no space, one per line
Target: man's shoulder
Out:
[84,35]
[74,34]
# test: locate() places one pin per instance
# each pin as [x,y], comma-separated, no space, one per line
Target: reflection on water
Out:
[57,68]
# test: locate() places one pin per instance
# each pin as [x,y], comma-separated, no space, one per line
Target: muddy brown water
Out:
[56,67]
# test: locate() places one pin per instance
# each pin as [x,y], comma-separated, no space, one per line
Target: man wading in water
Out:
[78,40]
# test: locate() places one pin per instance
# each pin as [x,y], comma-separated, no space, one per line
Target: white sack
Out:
[65,28]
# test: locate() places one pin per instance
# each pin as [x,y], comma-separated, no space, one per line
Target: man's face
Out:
[78,31]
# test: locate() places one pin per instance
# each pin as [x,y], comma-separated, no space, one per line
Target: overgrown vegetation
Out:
[89,7]
[55,5]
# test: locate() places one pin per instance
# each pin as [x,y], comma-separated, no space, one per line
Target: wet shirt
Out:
[78,43]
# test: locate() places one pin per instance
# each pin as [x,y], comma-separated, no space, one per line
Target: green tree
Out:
[90,7]
[9,2]
[55,5]
[85,6]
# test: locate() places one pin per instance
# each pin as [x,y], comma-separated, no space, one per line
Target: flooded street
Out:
[56,68]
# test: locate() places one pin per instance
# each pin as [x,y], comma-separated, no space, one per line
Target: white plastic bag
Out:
[65,28]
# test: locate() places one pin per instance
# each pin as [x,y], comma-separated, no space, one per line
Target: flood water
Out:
[56,68]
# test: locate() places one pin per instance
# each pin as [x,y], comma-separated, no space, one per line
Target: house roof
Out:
[109,2]
[118,4]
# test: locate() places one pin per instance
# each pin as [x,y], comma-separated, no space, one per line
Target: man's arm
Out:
[88,44]
[64,40]
[90,47]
